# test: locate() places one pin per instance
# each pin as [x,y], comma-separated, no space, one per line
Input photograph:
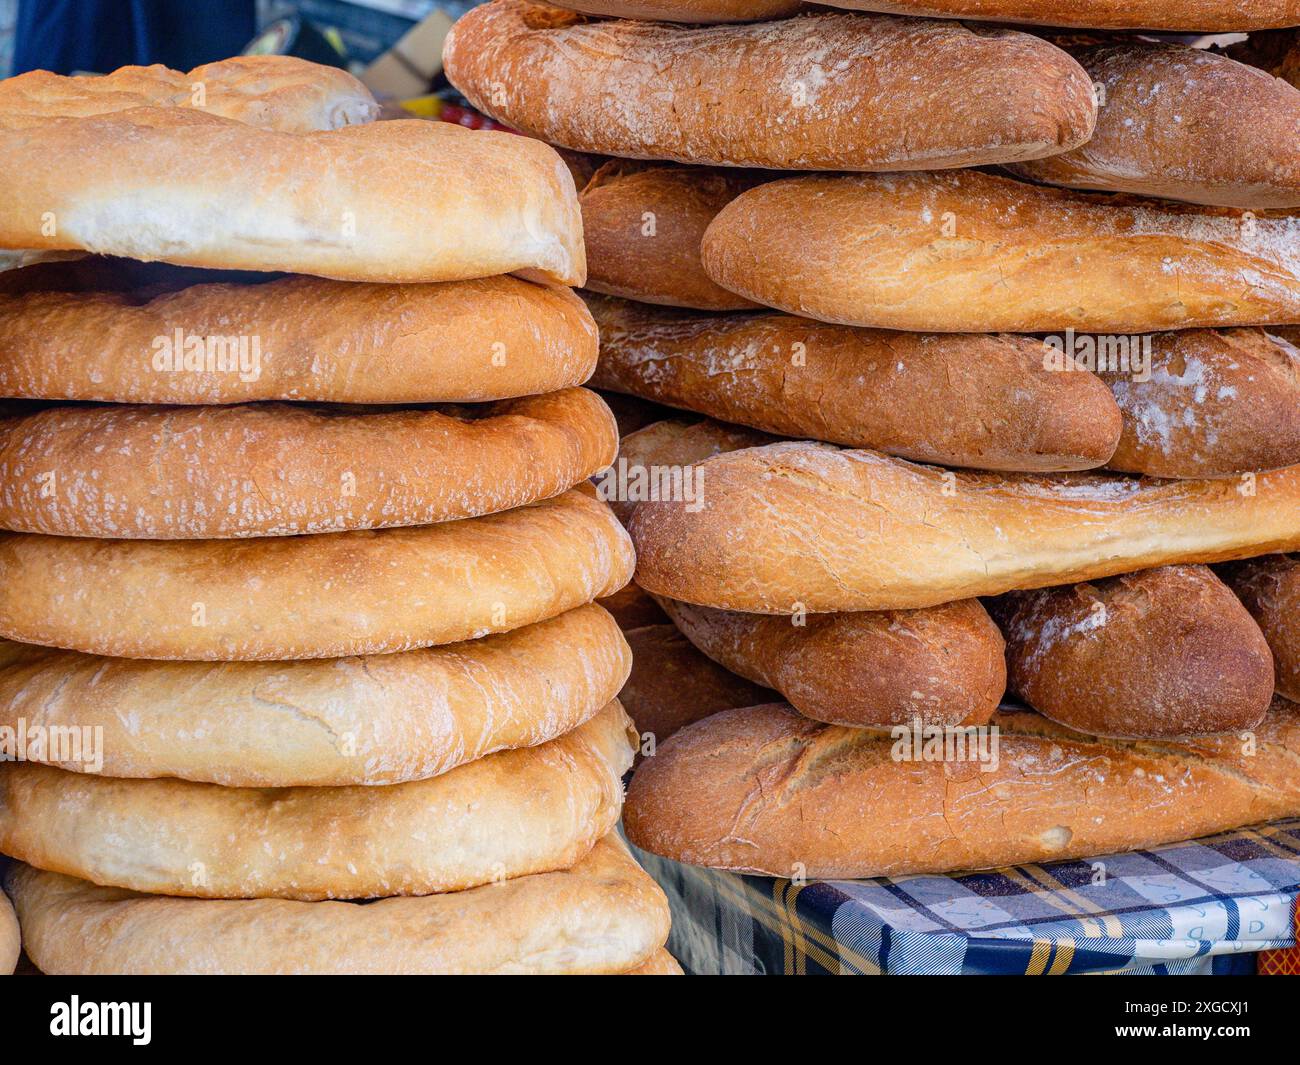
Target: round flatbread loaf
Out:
[604,915]
[376,719]
[293,338]
[281,469]
[10,938]
[354,593]
[512,813]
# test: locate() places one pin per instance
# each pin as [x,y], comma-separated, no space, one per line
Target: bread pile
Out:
[1021,323]
[296,588]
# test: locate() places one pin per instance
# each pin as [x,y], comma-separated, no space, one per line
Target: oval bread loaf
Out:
[1201,15]
[1270,589]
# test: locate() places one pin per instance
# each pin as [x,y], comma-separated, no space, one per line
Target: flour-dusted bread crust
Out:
[1157,654]
[825,91]
[1185,124]
[1270,589]
[327,596]
[374,719]
[699,12]
[192,188]
[1216,403]
[604,915]
[10,937]
[966,251]
[1219,16]
[301,338]
[148,472]
[269,91]
[764,790]
[643,224]
[529,810]
[807,527]
[967,399]
[942,666]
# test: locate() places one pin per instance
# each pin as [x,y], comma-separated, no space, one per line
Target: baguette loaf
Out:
[280,470]
[942,666]
[1215,403]
[814,92]
[990,402]
[378,719]
[1210,16]
[970,252]
[700,12]
[798,526]
[300,338]
[330,596]
[510,814]
[192,188]
[1158,654]
[1270,589]
[764,790]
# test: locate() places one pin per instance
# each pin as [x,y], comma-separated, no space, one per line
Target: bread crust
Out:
[661,963]
[376,719]
[1269,587]
[326,596]
[942,666]
[764,790]
[802,526]
[1204,15]
[1159,654]
[10,937]
[966,251]
[604,915]
[529,810]
[969,399]
[813,92]
[188,473]
[698,12]
[316,340]
[354,204]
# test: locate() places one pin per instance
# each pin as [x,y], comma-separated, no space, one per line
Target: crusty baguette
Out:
[700,12]
[1157,654]
[604,915]
[377,719]
[966,251]
[825,91]
[277,469]
[942,666]
[643,225]
[1270,589]
[1202,15]
[326,596]
[303,338]
[1214,403]
[356,204]
[673,684]
[1185,124]
[971,399]
[516,812]
[801,526]
[765,790]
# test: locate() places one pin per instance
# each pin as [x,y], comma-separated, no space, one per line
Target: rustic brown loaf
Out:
[1158,654]
[943,666]
[146,472]
[970,399]
[966,251]
[378,719]
[801,526]
[1270,589]
[1187,124]
[1212,403]
[513,813]
[700,12]
[195,189]
[643,225]
[765,790]
[814,92]
[1203,15]
[605,915]
[328,341]
[311,596]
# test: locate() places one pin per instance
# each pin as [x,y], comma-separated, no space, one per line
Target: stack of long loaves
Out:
[989,385]
[297,589]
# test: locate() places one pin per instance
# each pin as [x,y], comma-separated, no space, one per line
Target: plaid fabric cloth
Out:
[1197,907]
